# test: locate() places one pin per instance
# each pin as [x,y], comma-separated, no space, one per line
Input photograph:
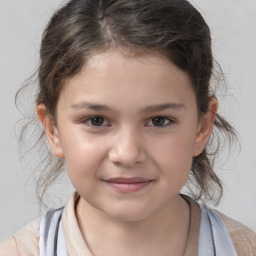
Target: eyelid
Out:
[89,118]
[170,121]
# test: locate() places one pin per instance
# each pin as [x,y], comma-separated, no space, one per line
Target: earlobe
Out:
[51,130]
[205,126]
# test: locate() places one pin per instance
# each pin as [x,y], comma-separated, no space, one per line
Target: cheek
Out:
[83,156]
[175,166]
[174,154]
[83,164]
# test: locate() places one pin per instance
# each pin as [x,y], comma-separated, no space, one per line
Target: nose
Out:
[127,149]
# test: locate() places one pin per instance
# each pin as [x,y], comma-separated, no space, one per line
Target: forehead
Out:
[137,79]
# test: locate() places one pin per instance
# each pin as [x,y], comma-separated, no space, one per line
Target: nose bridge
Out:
[127,147]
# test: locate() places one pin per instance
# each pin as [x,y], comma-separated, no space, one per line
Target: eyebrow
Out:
[93,106]
[151,108]
[164,106]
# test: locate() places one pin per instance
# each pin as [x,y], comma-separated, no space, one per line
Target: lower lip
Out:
[128,187]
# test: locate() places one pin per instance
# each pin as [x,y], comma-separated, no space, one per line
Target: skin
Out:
[131,137]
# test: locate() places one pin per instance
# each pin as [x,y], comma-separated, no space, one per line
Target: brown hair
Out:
[172,27]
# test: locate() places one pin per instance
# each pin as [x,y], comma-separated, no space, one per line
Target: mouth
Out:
[128,185]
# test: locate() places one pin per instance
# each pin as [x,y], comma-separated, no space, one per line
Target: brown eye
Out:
[159,121]
[96,121]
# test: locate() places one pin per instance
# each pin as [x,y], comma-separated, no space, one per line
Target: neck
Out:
[164,231]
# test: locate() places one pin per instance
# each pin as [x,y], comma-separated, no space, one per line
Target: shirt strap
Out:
[51,240]
[214,239]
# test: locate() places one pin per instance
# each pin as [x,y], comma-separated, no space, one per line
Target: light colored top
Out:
[25,242]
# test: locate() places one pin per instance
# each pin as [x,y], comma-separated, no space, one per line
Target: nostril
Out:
[123,164]
[117,163]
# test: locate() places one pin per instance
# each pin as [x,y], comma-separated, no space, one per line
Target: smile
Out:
[128,185]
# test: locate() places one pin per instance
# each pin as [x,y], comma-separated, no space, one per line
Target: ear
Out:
[205,126]
[51,130]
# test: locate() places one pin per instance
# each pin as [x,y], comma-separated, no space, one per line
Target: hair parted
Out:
[173,28]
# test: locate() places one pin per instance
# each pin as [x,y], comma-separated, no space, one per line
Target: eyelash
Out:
[167,121]
[90,118]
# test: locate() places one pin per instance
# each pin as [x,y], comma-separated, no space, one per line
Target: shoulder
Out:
[9,248]
[243,238]
[25,242]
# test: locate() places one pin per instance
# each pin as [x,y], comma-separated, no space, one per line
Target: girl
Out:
[125,101]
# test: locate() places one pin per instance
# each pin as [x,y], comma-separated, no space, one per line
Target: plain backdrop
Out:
[232,23]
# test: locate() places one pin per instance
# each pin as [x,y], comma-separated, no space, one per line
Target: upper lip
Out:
[127,180]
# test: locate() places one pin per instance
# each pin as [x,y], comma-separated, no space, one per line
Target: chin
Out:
[127,214]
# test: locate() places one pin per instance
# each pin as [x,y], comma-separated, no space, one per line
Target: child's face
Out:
[128,129]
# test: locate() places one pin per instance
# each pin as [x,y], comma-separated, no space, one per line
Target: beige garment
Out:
[25,242]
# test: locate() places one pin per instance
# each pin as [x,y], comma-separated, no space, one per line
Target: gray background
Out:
[233,25]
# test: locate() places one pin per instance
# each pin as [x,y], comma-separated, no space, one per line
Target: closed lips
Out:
[128,185]
[128,180]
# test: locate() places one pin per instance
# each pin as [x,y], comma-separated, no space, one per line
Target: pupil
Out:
[97,121]
[158,121]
